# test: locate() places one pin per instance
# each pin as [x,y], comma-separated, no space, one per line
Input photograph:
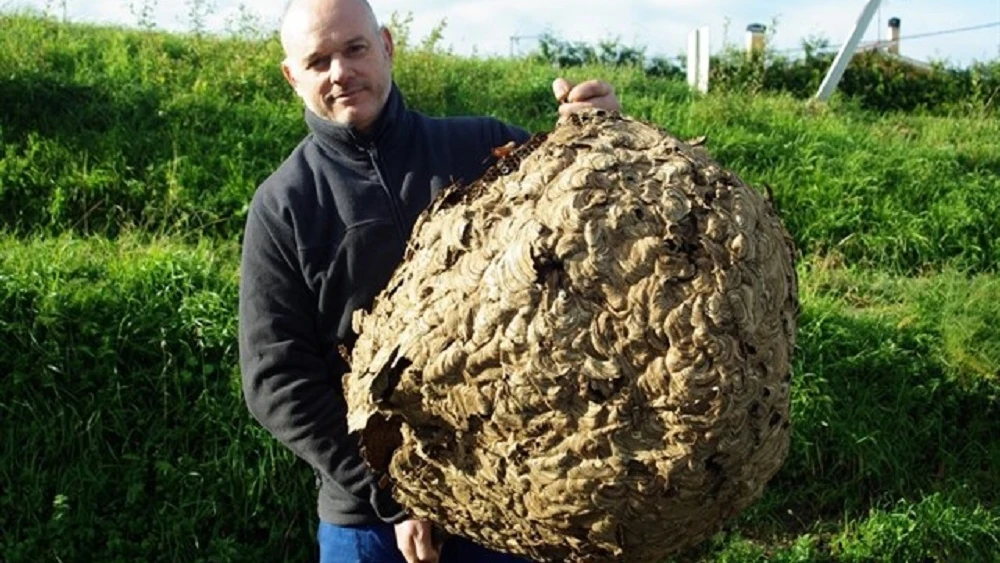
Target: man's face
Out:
[337,61]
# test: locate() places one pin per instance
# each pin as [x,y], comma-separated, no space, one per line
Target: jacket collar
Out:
[390,127]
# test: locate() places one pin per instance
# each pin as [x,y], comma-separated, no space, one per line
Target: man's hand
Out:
[589,94]
[413,538]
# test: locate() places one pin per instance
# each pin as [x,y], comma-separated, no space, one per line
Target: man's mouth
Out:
[346,96]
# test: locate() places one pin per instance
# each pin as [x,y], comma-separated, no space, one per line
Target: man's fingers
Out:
[592,94]
[414,539]
[608,103]
[423,538]
[405,545]
[570,108]
[425,550]
[588,90]
[404,540]
[561,89]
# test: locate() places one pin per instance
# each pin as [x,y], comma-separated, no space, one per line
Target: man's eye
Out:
[316,63]
[357,49]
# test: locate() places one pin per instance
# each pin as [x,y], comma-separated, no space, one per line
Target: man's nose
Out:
[339,69]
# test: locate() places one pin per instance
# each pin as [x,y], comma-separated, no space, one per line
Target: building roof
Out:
[882,48]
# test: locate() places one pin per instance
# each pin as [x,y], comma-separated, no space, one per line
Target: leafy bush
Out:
[873,80]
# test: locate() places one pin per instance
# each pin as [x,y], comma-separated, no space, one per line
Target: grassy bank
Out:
[110,130]
[125,432]
[128,160]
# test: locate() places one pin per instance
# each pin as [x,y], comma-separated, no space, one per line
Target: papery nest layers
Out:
[585,355]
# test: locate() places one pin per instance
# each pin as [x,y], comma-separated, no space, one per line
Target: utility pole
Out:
[846,52]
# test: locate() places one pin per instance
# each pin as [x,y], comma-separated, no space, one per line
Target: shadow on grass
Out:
[125,436]
[879,420]
[75,114]
[877,417]
[989,165]
[95,158]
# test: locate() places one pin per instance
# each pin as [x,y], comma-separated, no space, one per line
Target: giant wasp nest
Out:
[585,355]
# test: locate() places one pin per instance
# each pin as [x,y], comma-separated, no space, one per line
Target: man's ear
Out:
[286,69]
[387,44]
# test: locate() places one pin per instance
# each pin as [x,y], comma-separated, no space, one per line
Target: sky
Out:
[486,27]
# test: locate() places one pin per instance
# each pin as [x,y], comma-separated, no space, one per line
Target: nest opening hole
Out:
[380,439]
[603,390]
[548,269]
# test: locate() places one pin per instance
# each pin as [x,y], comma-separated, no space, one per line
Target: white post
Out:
[692,63]
[704,54]
[699,50]
[846,52]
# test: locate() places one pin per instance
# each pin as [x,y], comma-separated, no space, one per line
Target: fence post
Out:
[698,52]
[846,52]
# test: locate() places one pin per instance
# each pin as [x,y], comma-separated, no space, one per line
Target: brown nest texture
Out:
[585,355]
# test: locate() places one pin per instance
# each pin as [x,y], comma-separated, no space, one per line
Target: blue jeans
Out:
[377,544]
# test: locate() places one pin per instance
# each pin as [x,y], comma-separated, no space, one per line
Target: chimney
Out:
[755,39]
[894,36]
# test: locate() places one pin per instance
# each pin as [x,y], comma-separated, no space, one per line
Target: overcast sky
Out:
[486,26]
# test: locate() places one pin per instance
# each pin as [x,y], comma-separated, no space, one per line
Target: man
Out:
[323,235]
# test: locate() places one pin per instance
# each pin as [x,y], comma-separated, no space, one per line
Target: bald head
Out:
[337,59]
[302,16]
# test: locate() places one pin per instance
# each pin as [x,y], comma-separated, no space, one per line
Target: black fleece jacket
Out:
[323,235]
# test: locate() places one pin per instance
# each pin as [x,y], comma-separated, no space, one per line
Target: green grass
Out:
[893,450]
[124,431]
[128,160]
[122,411]
[937,527]
[110,130]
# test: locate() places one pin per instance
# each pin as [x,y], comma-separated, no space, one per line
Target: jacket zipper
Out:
[396,214]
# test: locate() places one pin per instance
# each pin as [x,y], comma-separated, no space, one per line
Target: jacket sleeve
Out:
[509,132]
[289,382]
